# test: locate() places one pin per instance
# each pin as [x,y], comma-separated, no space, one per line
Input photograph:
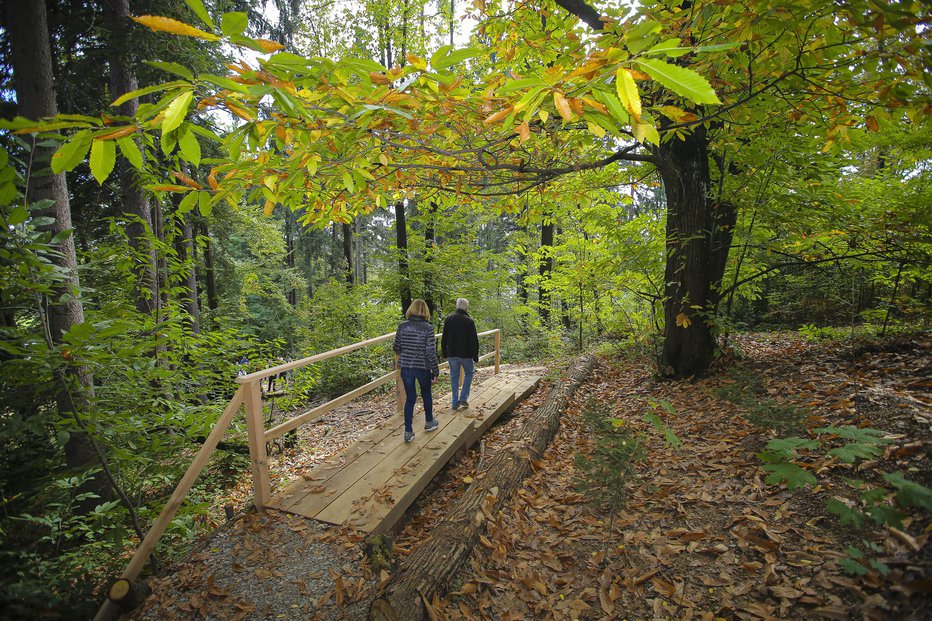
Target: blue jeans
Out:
[469,367]
[411,378]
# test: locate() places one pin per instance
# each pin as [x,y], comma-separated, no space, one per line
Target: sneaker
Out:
[464,405]
[455,406]
[430,425]
[409,435]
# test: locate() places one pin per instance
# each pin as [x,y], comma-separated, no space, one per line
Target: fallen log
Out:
[433,566]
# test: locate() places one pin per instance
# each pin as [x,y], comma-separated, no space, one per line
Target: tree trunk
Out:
[184,247]
[210,280]
[135,202]
[35,95]
[545,267]
[698,236]
[430,239]
[434,565]
[401,243]
[348,252]
[290,225]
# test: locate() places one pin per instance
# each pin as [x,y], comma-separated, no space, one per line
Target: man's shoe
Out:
[464,405]
[409,435]
[430,425]
[455,407]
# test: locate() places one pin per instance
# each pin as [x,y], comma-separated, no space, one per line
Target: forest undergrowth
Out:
[690,523]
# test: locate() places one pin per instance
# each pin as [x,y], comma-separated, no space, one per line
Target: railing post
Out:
[498,349]
[258,459]
[399,390]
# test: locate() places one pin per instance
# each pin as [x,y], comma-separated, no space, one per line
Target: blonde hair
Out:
[418,308]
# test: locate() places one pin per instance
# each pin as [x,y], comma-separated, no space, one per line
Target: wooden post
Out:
[399,390]
[498,349]
[258,460]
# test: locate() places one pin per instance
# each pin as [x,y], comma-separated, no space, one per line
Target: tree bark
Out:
[545,267]
[698,235]
[184,247]
[401,243]
[290,235]
[32,76]
[430,239]
[210,279]
[135,202]
[434,565]
[348,252]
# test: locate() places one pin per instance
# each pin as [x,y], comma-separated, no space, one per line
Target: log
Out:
[432,568]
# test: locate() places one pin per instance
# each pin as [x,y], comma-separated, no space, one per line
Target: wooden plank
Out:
[416,462]
[258,458]
[314,413]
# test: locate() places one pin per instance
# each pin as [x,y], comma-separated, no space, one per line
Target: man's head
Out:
[462,304]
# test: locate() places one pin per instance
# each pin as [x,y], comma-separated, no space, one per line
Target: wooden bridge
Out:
[371,484]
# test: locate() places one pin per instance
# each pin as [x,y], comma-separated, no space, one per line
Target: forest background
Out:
[651,178]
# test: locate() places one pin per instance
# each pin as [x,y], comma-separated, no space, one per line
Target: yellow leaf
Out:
[677,115]
[269,46]
[828,146]
[543,115]
[167,24]
[467,480]
[498,116]
[682,320]
[596,130]
[383,159]
[562,106]
[524,131]
[268,208]
[646,132]
[628,92]
[417,61]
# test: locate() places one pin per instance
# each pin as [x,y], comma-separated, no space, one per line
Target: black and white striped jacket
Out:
[416,346]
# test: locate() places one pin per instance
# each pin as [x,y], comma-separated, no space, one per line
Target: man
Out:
[460,346]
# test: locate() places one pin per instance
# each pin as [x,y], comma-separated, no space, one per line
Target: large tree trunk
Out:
[434,565]
[401,243]
[698,236]
[35,95]
[135,202]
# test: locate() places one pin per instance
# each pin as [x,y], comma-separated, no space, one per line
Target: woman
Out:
[417,357]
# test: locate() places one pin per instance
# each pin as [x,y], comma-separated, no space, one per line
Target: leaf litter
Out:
[700,536]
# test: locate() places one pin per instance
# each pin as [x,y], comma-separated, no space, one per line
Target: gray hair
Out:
[462,304]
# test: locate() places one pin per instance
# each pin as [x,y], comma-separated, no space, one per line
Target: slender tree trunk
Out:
[545,267]
[290,252]
[35,96]
[335,249]
[135,202]
[401,243]
[184,247]
[210,279]
[430,239]
[348,252]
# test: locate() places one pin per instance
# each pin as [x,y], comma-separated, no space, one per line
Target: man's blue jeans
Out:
[469,368]
[411,378]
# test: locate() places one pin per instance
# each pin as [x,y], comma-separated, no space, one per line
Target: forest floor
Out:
[699,534]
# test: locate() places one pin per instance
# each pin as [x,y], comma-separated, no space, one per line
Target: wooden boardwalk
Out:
[372,484]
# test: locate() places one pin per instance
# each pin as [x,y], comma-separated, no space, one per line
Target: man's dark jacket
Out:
[459,339]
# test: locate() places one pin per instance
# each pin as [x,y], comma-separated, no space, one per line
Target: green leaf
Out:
[865,435]
[850,453]
[187,203]
[234,23]
[610,101]
[176,110]
[852,567]
[791,474]
[72,152]
[348,182]
[198,7]
[670,47]
[130,151]
[225,83]
[684,82]
[190,148]
[788,446]
[453,57]
[204,206]
[910,494]
[17,216]
[139,92]
[846,515]
[516,85]
[103,157]
[175,68]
